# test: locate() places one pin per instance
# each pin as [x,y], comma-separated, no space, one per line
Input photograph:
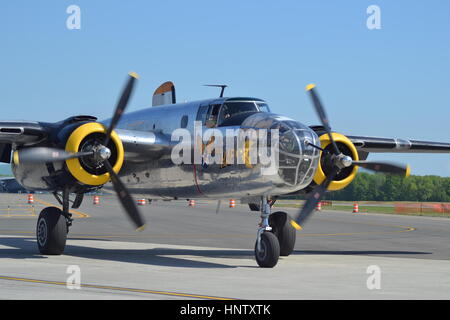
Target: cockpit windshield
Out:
[263,107]
[233,108]
[230,109]
[230,112]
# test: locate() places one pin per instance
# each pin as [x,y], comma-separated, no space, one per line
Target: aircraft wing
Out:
[138,145]
[394,145]
[20,133]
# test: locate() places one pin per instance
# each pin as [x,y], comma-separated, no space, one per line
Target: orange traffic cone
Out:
[30,198]
[355,208]
[141,202]
[96,200]
[319,206]
[191,203]
[232,203]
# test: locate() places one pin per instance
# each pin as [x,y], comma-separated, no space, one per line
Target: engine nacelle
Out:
[78,173]
[346,175]
[83,169]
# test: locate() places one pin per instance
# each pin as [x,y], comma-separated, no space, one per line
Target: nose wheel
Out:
[269,250]
[283,230]
[53,225]
[51,231]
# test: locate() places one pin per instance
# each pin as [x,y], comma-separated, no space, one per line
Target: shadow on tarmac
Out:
[26,248]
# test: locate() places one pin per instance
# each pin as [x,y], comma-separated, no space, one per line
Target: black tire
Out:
[51,231]
[270,250]
[286,234]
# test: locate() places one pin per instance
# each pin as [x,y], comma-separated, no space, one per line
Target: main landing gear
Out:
[53,225]
[275,237]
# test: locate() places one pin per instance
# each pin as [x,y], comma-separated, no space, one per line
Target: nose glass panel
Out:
[297,160]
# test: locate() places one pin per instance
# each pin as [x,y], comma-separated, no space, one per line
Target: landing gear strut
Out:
[53,225]
[275,236]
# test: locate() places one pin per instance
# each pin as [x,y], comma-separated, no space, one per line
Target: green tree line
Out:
[379,187]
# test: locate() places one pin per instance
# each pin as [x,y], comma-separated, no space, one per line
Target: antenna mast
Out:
[223,86]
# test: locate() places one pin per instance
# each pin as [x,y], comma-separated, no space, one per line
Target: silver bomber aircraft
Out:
[134,152]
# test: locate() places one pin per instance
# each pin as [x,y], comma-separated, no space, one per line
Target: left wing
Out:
[394,145]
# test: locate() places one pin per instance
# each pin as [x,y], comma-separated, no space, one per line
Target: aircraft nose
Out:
[297,159]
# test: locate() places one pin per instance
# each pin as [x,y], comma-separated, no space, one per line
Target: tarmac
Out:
[193,253]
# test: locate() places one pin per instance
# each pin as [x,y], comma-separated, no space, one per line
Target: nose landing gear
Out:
[53,225]
[275,236]
[51,231]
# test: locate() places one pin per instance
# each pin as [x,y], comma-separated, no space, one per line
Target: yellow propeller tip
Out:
[295,225]
[16,157]
[134,75]
[408,171]
[141,228]
[310,86]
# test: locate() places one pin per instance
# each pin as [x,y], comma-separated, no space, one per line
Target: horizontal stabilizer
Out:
[165,94]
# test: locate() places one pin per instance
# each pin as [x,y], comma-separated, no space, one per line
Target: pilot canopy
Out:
[230,112]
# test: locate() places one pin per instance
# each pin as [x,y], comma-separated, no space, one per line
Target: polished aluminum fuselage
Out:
[152,172]
[161,178]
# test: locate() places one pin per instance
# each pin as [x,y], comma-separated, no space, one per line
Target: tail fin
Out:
[165,94]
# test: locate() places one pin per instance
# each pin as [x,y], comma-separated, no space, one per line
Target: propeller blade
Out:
[125,198]
[385,167]
[322,115]
[121,105]
[313,200]
[43,155]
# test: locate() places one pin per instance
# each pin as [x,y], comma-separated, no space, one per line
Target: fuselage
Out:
[161,178]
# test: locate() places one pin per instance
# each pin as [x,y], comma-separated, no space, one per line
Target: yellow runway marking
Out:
[93,286]
[78,213]
[13,211]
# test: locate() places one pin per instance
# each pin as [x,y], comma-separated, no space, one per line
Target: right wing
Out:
[22,132]
[18,133]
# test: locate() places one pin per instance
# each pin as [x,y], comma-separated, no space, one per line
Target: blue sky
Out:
[392,82]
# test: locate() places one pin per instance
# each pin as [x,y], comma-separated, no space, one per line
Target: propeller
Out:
[338,161]
[99,152]
[43,154]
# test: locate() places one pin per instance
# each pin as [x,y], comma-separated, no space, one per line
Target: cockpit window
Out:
[211,118]
[263,107]
[230,109]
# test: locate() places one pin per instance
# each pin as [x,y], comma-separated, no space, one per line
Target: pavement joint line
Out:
[122,289]
[225,236]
